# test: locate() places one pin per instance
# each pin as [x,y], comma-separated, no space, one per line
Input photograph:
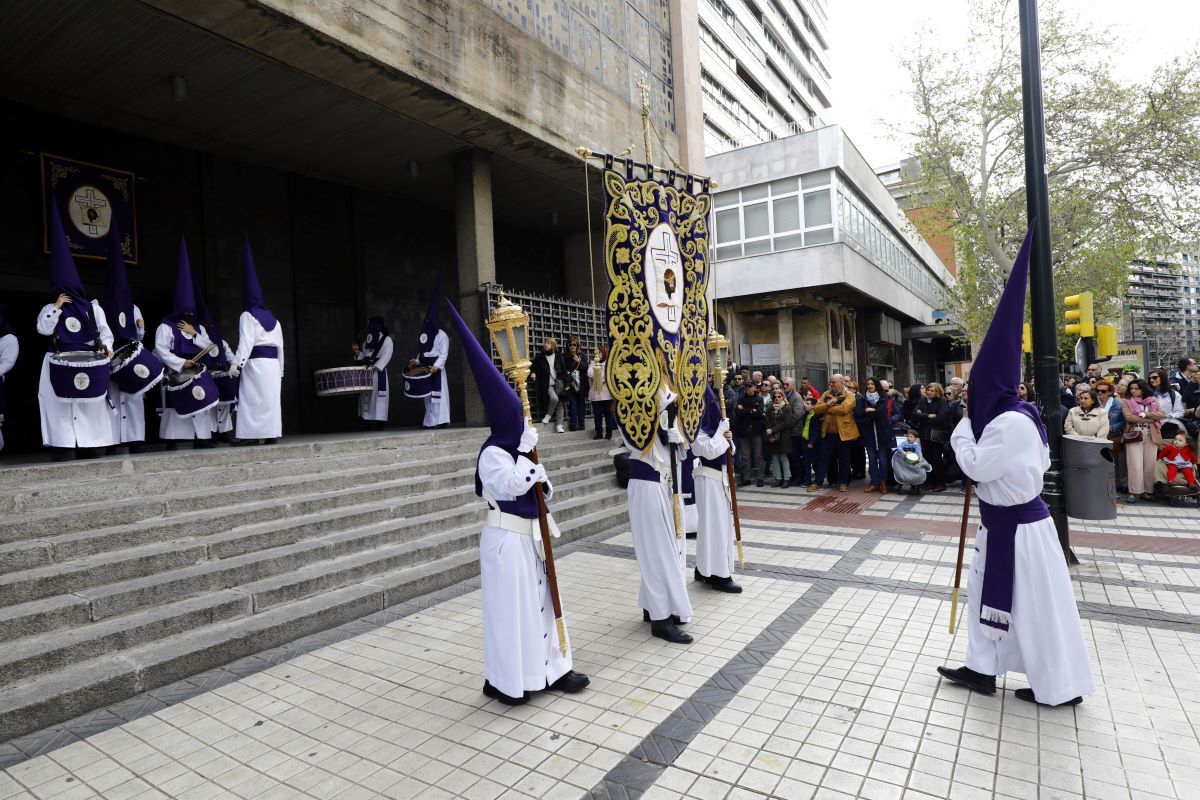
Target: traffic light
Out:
[1026,338]
[1081,321]
[1106,340]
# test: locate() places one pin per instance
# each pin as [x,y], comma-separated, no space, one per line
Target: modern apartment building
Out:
[1162,305]
[764,70]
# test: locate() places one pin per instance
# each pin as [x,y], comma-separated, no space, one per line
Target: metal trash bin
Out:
[1089,477]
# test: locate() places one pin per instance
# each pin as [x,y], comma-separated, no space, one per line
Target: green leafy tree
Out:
[1123,156]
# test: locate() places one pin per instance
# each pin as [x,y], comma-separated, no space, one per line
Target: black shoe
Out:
[665,629]
[244,442]
[172,447]
[496,694]
[110,451]
[1027,696]
[273,441]
[698,577]
[60,454]
[87,452]
[744,482]
[608,435]
[571,683]
[674,617]
[598,436]
[977,681]
[136,447]
[760,483]
[444,425]
[724,585]
[203,444]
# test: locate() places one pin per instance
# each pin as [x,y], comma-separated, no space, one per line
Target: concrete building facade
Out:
[818,270]
[764,70]
[1162,306]
[366,147]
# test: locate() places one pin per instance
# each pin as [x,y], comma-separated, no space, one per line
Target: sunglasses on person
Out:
[1102,390]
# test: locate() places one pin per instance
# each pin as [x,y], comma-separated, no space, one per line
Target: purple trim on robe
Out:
[995,610]
[641,471]
[264,351]
[717,463]
[524,506]
[688,482]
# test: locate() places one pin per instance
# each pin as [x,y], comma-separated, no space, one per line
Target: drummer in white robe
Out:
[79,325]
[376,352]
[178,341]
[129,410]
[1021,612]
[714,534]
[219,363]
[433,347]
[10,349]
[661,555]
[259,360]
[521,648]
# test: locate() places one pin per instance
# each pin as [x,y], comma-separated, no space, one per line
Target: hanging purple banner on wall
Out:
[89,197]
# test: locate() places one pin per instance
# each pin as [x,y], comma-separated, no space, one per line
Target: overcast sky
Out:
[869,35]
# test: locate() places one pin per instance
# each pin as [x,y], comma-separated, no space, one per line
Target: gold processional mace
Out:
[509,329]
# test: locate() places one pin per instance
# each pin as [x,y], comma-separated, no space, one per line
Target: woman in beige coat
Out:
[1087,418]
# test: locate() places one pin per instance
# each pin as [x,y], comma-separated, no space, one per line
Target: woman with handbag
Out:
[1143,423]
[576,383]
[779,437]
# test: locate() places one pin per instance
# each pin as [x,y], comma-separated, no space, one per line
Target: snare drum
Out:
[343,380]
[420,382]
[227,385]
[135,369]
[79,375]
[192,392]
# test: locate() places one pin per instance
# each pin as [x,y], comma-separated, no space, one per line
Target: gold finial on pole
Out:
[645,90]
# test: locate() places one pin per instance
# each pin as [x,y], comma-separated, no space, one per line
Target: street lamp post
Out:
[1041,280]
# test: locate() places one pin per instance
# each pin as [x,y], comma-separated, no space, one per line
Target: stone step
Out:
[97,577]
[439,457]
[90,516]
[98,538]
[84,683]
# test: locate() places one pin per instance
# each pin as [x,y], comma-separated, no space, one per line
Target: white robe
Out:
[260,415]
[714,535]
[661,556]
[520,638]
[221,415]
[373,405]
[437,409]
[171,425]
[10,348]
[128,411]
[68,423]
[1045,638]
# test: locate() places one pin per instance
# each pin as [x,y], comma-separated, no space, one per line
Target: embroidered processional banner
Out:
[657,255]
[90,197]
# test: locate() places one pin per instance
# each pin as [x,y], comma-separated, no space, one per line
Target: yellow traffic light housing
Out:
[1106,341]
[1081,321]
[1026,338]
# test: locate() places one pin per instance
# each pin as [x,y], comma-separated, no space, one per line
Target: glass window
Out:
[754,192]
[790,242]
[757,248]
[757,220]
[729,229]
[783,186]
[722,199]
[815,179]
[787,214]
[729,251]
[823,236]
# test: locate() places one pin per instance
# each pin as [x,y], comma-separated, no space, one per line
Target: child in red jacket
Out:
[1179,457]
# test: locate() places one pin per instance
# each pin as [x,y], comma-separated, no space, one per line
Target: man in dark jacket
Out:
[751,422]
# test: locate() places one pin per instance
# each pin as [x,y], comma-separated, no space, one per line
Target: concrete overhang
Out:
[834,271]
[933,331]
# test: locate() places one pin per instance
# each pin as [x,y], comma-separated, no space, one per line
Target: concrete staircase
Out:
[125,574]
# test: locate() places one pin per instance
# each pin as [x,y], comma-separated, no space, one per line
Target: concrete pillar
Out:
[476,254]
[576,264]
[787,340]
[685,72]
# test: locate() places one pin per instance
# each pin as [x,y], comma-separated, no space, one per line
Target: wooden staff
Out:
[544,523]
[962,546]
[737,520]
[676,498]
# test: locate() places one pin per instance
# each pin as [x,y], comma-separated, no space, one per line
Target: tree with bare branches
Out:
[1123,157]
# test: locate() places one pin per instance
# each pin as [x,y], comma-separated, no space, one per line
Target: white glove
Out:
[536,474]
[529,440]
[722,427]
[674,436]
[234,370]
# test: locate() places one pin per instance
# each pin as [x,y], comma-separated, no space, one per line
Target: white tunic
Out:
[128,411]
[373,405]
[171,425]
[220,416]
[260,415]
[1045,638]
[661,556]
[437,408]
[520,639]
[10,348]
[68,423]
[714,536]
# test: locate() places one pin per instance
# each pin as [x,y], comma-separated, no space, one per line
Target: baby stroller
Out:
[908,472]
[1178,494]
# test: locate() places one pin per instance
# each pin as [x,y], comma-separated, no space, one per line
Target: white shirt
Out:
[1008,462]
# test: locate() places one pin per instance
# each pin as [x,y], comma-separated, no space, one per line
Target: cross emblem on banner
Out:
[89,205]
[665,257]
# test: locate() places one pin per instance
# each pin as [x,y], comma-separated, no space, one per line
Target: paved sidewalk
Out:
[817,682]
